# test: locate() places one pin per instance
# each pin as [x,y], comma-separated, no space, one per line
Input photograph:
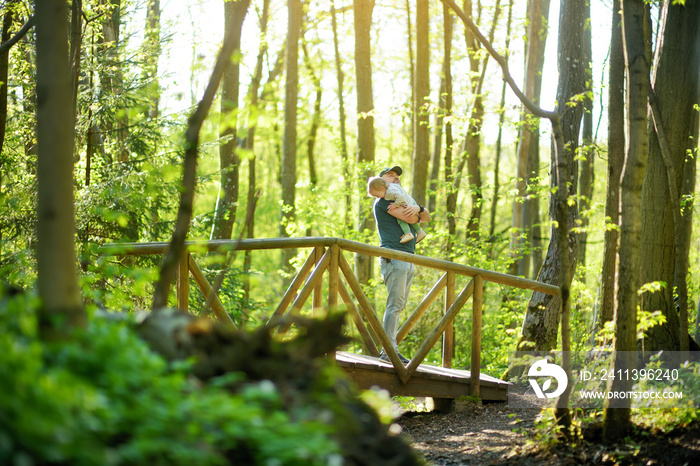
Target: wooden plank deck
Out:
[432,381]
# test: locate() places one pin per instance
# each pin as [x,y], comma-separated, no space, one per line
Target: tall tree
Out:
[541,323]
[315,118]
[227,201]
[616,157]
[421,132]
[665,218]
[617,412]
[525,218]
[254,99]
[365,121]
[76,42]
[587,156]
[499,138]
[471,146]
[342,143]
[152,55]
[289,143]
[61,307]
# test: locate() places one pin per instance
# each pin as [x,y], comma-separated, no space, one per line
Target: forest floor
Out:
[493,434]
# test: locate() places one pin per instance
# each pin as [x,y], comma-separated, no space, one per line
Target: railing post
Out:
[448,336]
[333,278]
[317,301]
[182,292]
[477,303]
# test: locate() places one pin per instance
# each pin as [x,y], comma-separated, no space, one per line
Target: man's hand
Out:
[409,214]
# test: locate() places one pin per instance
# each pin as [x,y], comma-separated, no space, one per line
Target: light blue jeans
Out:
[397,276]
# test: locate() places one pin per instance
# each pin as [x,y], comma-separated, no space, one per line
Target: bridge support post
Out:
[477,303]
[182,291]
[448,336]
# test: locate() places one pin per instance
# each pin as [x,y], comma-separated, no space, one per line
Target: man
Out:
[397,275]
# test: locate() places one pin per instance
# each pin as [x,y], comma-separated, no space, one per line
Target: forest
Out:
[554,143]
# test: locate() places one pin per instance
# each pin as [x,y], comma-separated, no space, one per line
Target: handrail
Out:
[325,257]
[345,244]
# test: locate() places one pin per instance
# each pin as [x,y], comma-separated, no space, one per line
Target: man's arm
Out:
[410,214]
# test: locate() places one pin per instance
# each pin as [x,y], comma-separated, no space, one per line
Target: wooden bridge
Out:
[326,259]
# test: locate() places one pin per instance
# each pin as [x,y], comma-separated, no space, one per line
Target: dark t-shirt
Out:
[389,230]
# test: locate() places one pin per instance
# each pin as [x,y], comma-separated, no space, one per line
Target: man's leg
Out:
[397,276]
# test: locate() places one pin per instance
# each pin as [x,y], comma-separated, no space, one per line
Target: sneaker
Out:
[406,238]
[420,235]
[384,357]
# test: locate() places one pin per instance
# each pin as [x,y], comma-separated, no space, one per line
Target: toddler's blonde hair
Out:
[375,183]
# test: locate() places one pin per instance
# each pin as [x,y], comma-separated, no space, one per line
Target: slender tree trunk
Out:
[499,139]
[675,91]
[471,146]
[76,42]
[437,143]
[4,71]
[61,306]
[524,228]
[152,55]
[411,78]
[343,144]
[253,99]
[365,123]
[451,192]
[315,121]
[112,79]
[227,202]
[289,149]
[616,156]
[421,146]
[616,423]
[541,322]
[586,161]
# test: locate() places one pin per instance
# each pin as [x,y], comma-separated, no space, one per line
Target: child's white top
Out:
[394,192]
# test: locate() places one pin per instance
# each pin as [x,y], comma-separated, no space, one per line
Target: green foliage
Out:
[666,414]
[105,398]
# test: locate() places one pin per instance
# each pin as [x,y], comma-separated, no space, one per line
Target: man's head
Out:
[392,174]
[376,186]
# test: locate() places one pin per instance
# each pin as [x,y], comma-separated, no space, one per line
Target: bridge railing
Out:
[326,259]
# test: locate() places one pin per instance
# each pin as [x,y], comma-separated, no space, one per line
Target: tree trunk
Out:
[526,208]
[227,201]
[343,143]
[112,79]
[616,423]
[411,78]
[421,145]
[152,54]
[541,322]
[451,192]
[616,156]
[253,100]
[365,123]
[76,41]
[289,149]
[675,84]
[501,122]
[437,137]
[61,305]
[585,163]
[4,70]
[315,122]
[471,145]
